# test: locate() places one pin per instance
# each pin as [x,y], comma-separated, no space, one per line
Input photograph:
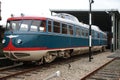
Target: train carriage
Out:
[45,38]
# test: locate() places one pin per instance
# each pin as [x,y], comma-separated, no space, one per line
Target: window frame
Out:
[70,29]
[50,25]
[66,25]
[56,26]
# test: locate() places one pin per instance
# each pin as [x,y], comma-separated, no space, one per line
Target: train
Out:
[44,38]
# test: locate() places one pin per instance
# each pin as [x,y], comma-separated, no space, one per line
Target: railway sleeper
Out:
[102,77]
[107,75]
[107,72]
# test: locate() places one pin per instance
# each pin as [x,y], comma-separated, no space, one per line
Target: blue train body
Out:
[45,38]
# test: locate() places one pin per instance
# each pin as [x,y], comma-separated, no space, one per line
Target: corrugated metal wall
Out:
[0,11]
[119,34]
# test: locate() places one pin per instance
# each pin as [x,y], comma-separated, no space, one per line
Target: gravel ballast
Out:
[74,70]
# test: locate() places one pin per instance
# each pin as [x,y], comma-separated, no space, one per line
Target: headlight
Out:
[19,41]
[3,41]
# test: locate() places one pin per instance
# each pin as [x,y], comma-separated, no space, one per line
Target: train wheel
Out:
[100,50]
[103,49]
[67,54]
[49,58]
[39,62]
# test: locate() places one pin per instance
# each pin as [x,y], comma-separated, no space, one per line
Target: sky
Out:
[42,7]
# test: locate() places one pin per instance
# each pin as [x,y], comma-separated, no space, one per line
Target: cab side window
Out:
[42,27]
[49,26]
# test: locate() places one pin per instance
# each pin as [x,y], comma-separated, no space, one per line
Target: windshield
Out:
[26,25]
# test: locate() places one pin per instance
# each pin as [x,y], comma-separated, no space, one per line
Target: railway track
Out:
[14,70]
[19,69]
[11,66]
[109,71]
[5,62]
[5,71]
[22,71]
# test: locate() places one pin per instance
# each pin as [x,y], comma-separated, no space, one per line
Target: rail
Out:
[103,72]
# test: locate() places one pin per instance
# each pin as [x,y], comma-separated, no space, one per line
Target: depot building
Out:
[107,20]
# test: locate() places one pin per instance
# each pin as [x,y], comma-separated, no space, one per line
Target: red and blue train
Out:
[38,39]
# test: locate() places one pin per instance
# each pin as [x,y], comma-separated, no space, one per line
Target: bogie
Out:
[49,57]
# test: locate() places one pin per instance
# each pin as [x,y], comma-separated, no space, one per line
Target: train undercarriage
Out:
[67,53]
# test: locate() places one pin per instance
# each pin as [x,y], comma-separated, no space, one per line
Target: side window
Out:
[42,27]
[87,33]
[49,26]
[98,35]
[56,27]
[77,31]
[80,31]
[83,32]
[104,36]
[70,29]
[64,28]
[93,34]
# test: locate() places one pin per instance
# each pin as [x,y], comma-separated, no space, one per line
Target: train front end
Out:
[21,38]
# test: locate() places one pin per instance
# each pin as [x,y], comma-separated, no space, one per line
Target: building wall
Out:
[0,11]
[119,34]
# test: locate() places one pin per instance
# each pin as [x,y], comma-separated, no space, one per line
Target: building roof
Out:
[100,17]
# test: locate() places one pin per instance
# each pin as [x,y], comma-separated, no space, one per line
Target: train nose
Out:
[11,44]
[10,40]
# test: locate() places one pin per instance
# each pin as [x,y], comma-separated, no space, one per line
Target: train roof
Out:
[70,20]
[27,18]
[67,16]
[76,22]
